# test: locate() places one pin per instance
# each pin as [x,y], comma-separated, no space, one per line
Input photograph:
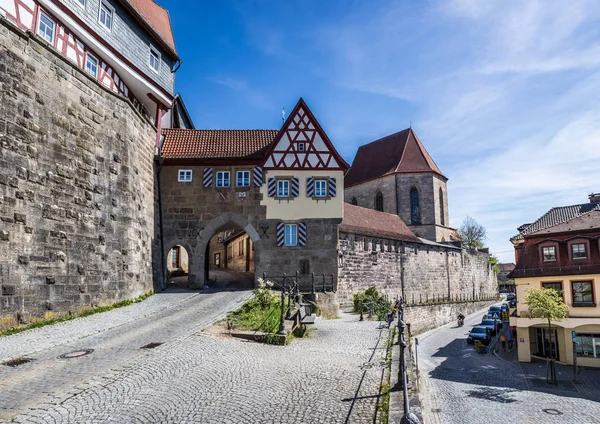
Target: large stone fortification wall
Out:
[427,270]
[77,201]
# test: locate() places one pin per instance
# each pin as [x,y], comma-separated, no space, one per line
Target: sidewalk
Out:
[50,336]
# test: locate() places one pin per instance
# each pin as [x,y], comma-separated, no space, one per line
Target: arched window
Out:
[415,213]
[442,215]
[379,201]
[354,201]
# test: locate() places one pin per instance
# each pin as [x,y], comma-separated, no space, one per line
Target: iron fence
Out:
[303,283]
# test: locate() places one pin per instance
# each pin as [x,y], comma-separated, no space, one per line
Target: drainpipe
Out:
[163,282]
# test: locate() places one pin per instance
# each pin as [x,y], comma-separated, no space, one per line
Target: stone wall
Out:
[426,269]
[422,318]
[77,200]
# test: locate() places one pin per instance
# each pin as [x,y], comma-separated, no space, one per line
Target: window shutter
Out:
[272,187]
[332,187]
[310,187]
[258,176]
[295,187]
[280,234]
[302,233]
[208,177]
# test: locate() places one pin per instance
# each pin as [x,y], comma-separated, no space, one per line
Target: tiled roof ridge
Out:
[217,129]
[535,226]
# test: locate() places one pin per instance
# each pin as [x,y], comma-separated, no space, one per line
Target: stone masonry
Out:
[193,214]
[427,269]
[77,214]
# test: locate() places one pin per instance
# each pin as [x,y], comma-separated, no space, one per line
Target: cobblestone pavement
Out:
[331,377]
[462,386]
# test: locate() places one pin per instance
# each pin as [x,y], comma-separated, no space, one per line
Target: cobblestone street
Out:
[332,376]
[461,386]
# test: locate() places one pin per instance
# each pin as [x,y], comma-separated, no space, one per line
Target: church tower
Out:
[395,174]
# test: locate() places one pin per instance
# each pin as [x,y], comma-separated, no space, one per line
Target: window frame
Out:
[54,27]
[237,179]
[285,182]
[294,234]
[184,171]
[81,3]
[301,144]
[595,340]
[222,173]
[585,243]
[583,304]
[111,9]
[556,253]
[325,184]
[158,57]
[562,287]
[89,55]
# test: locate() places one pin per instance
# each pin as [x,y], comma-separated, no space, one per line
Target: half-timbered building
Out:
[281,188]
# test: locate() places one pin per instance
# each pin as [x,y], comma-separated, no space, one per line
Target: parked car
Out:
[480,333]
[491,324]
[504,307]
[511,296]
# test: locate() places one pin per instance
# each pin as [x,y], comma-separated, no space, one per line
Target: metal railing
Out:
[306,283]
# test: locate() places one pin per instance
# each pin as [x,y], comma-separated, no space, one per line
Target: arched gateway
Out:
[273,197]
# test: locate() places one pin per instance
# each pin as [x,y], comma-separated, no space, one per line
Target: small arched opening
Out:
[178,266]
[415,210]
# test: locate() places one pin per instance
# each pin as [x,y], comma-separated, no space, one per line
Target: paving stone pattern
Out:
[332,376]
[461,386]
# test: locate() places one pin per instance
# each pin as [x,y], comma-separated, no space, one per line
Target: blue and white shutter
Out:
[332,187]
[295,187]
[207,179]
[272,187]
[310,187]
[280,234]
[258,176]
[302,233]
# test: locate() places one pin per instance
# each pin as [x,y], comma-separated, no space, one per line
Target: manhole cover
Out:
[76,354]
[16,362]
[552,411]
[151,346]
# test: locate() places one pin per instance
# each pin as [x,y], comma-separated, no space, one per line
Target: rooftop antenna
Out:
[282,115]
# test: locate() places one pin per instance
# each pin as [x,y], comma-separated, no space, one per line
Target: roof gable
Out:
[302,144]
[401,152]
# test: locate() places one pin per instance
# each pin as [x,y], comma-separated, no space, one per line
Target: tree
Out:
[472,233]
[494,262]
[547,304]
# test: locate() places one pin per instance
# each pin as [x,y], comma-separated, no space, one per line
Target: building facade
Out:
[282,188]
[395,174]
[562,254]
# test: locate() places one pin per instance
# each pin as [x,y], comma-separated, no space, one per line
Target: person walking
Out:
[503,342]
[509,339]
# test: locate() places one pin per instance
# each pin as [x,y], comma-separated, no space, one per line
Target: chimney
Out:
[594,198]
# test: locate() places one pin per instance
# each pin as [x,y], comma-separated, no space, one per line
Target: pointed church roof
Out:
[303,144]
[399,153]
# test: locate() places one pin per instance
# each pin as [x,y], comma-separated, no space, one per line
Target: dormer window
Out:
[578,251]
[106,15]
[549,253]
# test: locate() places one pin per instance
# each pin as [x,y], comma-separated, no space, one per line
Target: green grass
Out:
[384,408]
[251,316]
[37,323]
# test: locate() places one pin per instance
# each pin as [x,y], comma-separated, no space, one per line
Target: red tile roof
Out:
[401,152]
[369,222]
[587,221]
[215,144]
[157,18]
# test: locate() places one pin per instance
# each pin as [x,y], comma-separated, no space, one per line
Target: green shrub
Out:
[380,305]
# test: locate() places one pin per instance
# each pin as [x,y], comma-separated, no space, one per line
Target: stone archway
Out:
[197,276]
[190,252]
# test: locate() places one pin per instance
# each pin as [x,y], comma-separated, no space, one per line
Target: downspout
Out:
[163,274]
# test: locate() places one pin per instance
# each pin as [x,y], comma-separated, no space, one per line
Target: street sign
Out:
[495,315]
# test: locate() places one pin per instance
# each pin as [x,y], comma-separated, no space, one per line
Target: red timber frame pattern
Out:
[302,127]
[25,14]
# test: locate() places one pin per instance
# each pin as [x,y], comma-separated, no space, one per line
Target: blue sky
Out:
[505,95]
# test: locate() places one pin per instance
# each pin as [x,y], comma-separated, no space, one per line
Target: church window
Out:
[442,214]
[415,213]
[354,201]
[379,201]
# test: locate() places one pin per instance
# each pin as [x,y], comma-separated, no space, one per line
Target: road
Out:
[194,376]
[461,386]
